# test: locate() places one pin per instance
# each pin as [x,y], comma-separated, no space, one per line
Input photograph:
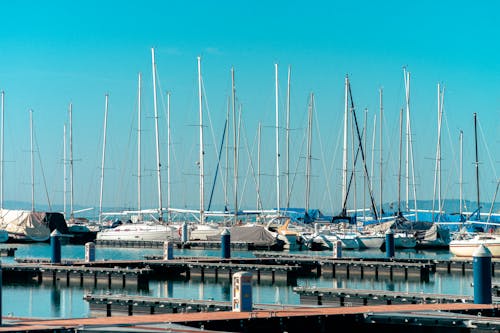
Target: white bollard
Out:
[89,252]
[242,292]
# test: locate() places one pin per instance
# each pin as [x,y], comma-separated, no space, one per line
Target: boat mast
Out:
[226,178]
[344,155]
[365,134]
[259,202]
[139,91]
[235,147]
[168,157]
[71,213]
[437,173]
[103,155]
[372,168]
[202,152]
[277,142]
[407,161]
[477,167]
[400,155]
[288,193]
[158,163]
[381,92]
[309,148]
[461,172]
[32,164]
[65,178]
[1,149]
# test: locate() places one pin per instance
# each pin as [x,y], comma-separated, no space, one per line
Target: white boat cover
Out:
[27,225]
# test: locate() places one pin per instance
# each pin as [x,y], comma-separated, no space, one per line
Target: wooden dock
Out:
[417,318]
[77,275]
[333,297]
[121,304]
[194,245]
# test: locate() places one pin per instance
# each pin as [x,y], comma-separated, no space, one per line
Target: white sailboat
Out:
[145,230]
[466,246]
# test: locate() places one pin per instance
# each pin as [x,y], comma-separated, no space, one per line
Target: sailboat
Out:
[29,225]
[144,230]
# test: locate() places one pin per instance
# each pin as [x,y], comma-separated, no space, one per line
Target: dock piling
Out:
[225,244]
[168,251]
[481,262]
[55,246]
[389,244]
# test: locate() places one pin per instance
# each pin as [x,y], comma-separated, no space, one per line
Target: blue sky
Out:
[58,52]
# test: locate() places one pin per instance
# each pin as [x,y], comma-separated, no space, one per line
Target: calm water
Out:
[47,301]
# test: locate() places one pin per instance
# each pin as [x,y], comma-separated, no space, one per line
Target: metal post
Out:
[225,244]
[184,233]
[481,265]
[55,246]
[337,249]
[89,252]
[168,251]
[389,244]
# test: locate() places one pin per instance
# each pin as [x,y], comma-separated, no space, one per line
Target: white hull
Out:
[371,241]
[204,232]
[467,247]
[140,232]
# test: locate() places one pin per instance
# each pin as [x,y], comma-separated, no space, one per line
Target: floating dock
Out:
[417,318]
[77,275]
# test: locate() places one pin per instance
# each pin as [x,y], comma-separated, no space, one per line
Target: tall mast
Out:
[407,161]
[259,205]
[1,150]
[400,155]
[158,163]
[139,109]
[202,152]
[226,178]
[168,157]
[65,178]
[235,148]
[288,194]
[365,134]
[477,167]
[381,92]
[71,192]
[372,168]
[32,164]
[461,171]
[103,155]
[309,147]
[277,141]
[344,151]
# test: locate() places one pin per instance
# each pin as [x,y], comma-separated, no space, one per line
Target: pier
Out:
[77,275]
[454,317]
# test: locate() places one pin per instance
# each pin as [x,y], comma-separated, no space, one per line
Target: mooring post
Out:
[242,292]
[168,250]
[55,246]
[389,244]
[184,233]
[225,243]
[89,252]
[481,266]
[337,249]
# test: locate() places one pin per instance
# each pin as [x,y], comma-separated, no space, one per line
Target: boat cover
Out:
[31,226]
